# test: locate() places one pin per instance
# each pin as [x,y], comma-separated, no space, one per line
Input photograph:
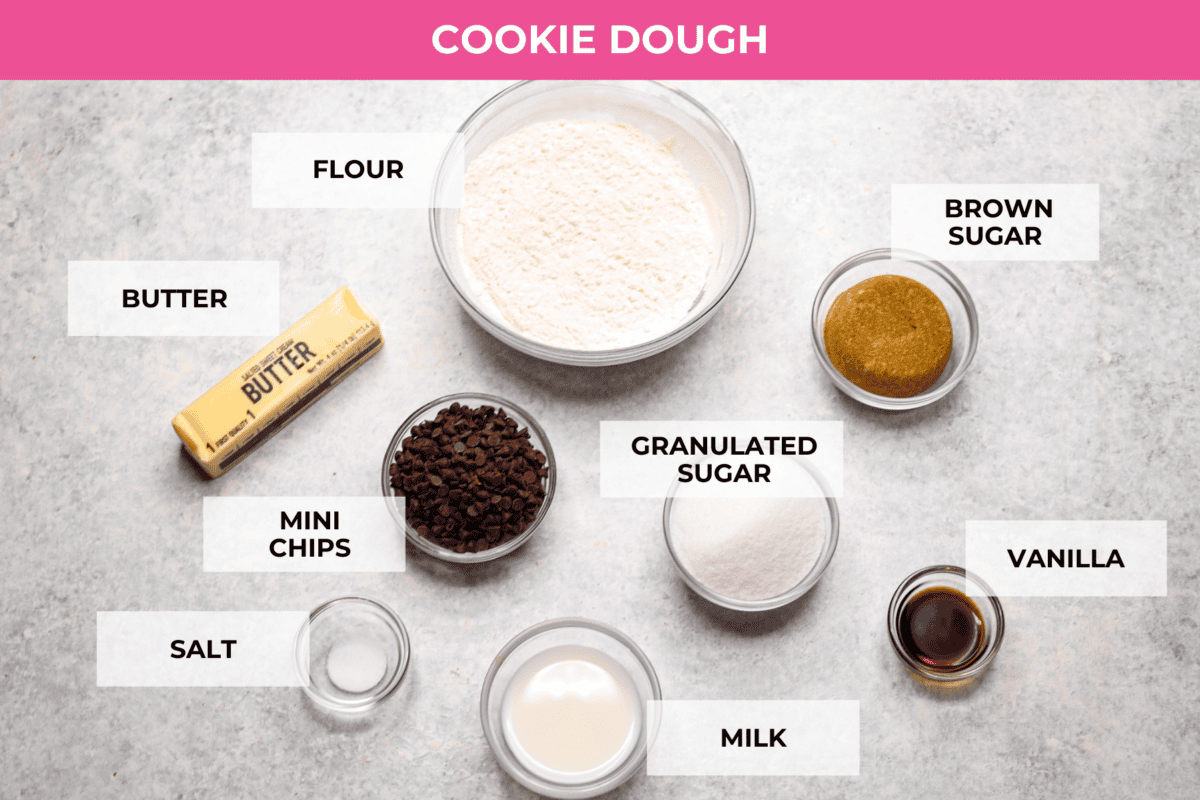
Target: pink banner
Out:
[362,39]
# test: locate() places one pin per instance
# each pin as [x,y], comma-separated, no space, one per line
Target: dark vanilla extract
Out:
[942,628]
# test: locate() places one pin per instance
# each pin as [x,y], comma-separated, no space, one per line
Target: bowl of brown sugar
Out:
[894,329]
[476,474]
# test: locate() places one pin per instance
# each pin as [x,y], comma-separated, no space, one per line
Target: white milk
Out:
[571,714]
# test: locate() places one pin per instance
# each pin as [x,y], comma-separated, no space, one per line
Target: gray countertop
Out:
[1081,404]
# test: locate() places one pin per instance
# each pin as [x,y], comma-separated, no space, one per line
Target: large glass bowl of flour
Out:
[540,254]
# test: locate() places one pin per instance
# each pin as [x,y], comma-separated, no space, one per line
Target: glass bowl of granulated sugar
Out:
[601,222]
[753,553]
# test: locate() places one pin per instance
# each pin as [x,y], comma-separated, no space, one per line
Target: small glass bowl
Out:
[537,438]
[973,587]
[541,637]
[698,140]
[832,527]
[932,275]
[331,623]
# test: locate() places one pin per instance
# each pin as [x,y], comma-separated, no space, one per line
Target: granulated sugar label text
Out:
[199,648]
[302,534]
[720,459]
[754,737]
[998,221]
[1070,558]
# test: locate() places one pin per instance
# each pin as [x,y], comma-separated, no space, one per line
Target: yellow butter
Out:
[260,397]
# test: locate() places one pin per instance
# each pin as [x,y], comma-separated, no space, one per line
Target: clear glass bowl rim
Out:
[880,401]
[796,592]
[515,769]
[428,547]
[990,649]
[623,355]
[369,702]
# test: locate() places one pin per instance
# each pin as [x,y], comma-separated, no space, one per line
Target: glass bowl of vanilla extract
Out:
[945,624]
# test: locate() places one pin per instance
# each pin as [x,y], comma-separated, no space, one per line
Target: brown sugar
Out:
[889,335]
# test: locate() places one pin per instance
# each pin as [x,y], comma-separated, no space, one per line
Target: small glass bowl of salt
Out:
[753,553]
[351,654]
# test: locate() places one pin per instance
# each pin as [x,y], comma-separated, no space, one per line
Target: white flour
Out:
[585,235]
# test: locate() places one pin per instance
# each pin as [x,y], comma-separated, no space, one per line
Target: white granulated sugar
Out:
[749,548]
[585,235]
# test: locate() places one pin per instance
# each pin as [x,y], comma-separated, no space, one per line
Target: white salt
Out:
[356,663]
[749,548]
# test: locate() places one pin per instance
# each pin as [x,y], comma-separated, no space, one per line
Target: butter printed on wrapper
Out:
[260,397]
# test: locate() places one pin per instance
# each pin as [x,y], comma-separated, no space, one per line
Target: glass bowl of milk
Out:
[351,654]
[564,708]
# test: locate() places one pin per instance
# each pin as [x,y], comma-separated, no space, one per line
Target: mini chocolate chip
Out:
[472,479]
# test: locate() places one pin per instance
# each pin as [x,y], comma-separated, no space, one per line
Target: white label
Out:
[719,459]
[198,648]
[998,221]
[172,298]
[302,534]
[754,737]
[1070,558]
[352,170]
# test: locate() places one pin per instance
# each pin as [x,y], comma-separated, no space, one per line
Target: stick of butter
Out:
[260,397]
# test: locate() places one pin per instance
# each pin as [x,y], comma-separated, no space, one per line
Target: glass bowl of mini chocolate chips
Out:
[476,474]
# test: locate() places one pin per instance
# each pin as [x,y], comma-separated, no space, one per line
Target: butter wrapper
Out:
[259,398]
